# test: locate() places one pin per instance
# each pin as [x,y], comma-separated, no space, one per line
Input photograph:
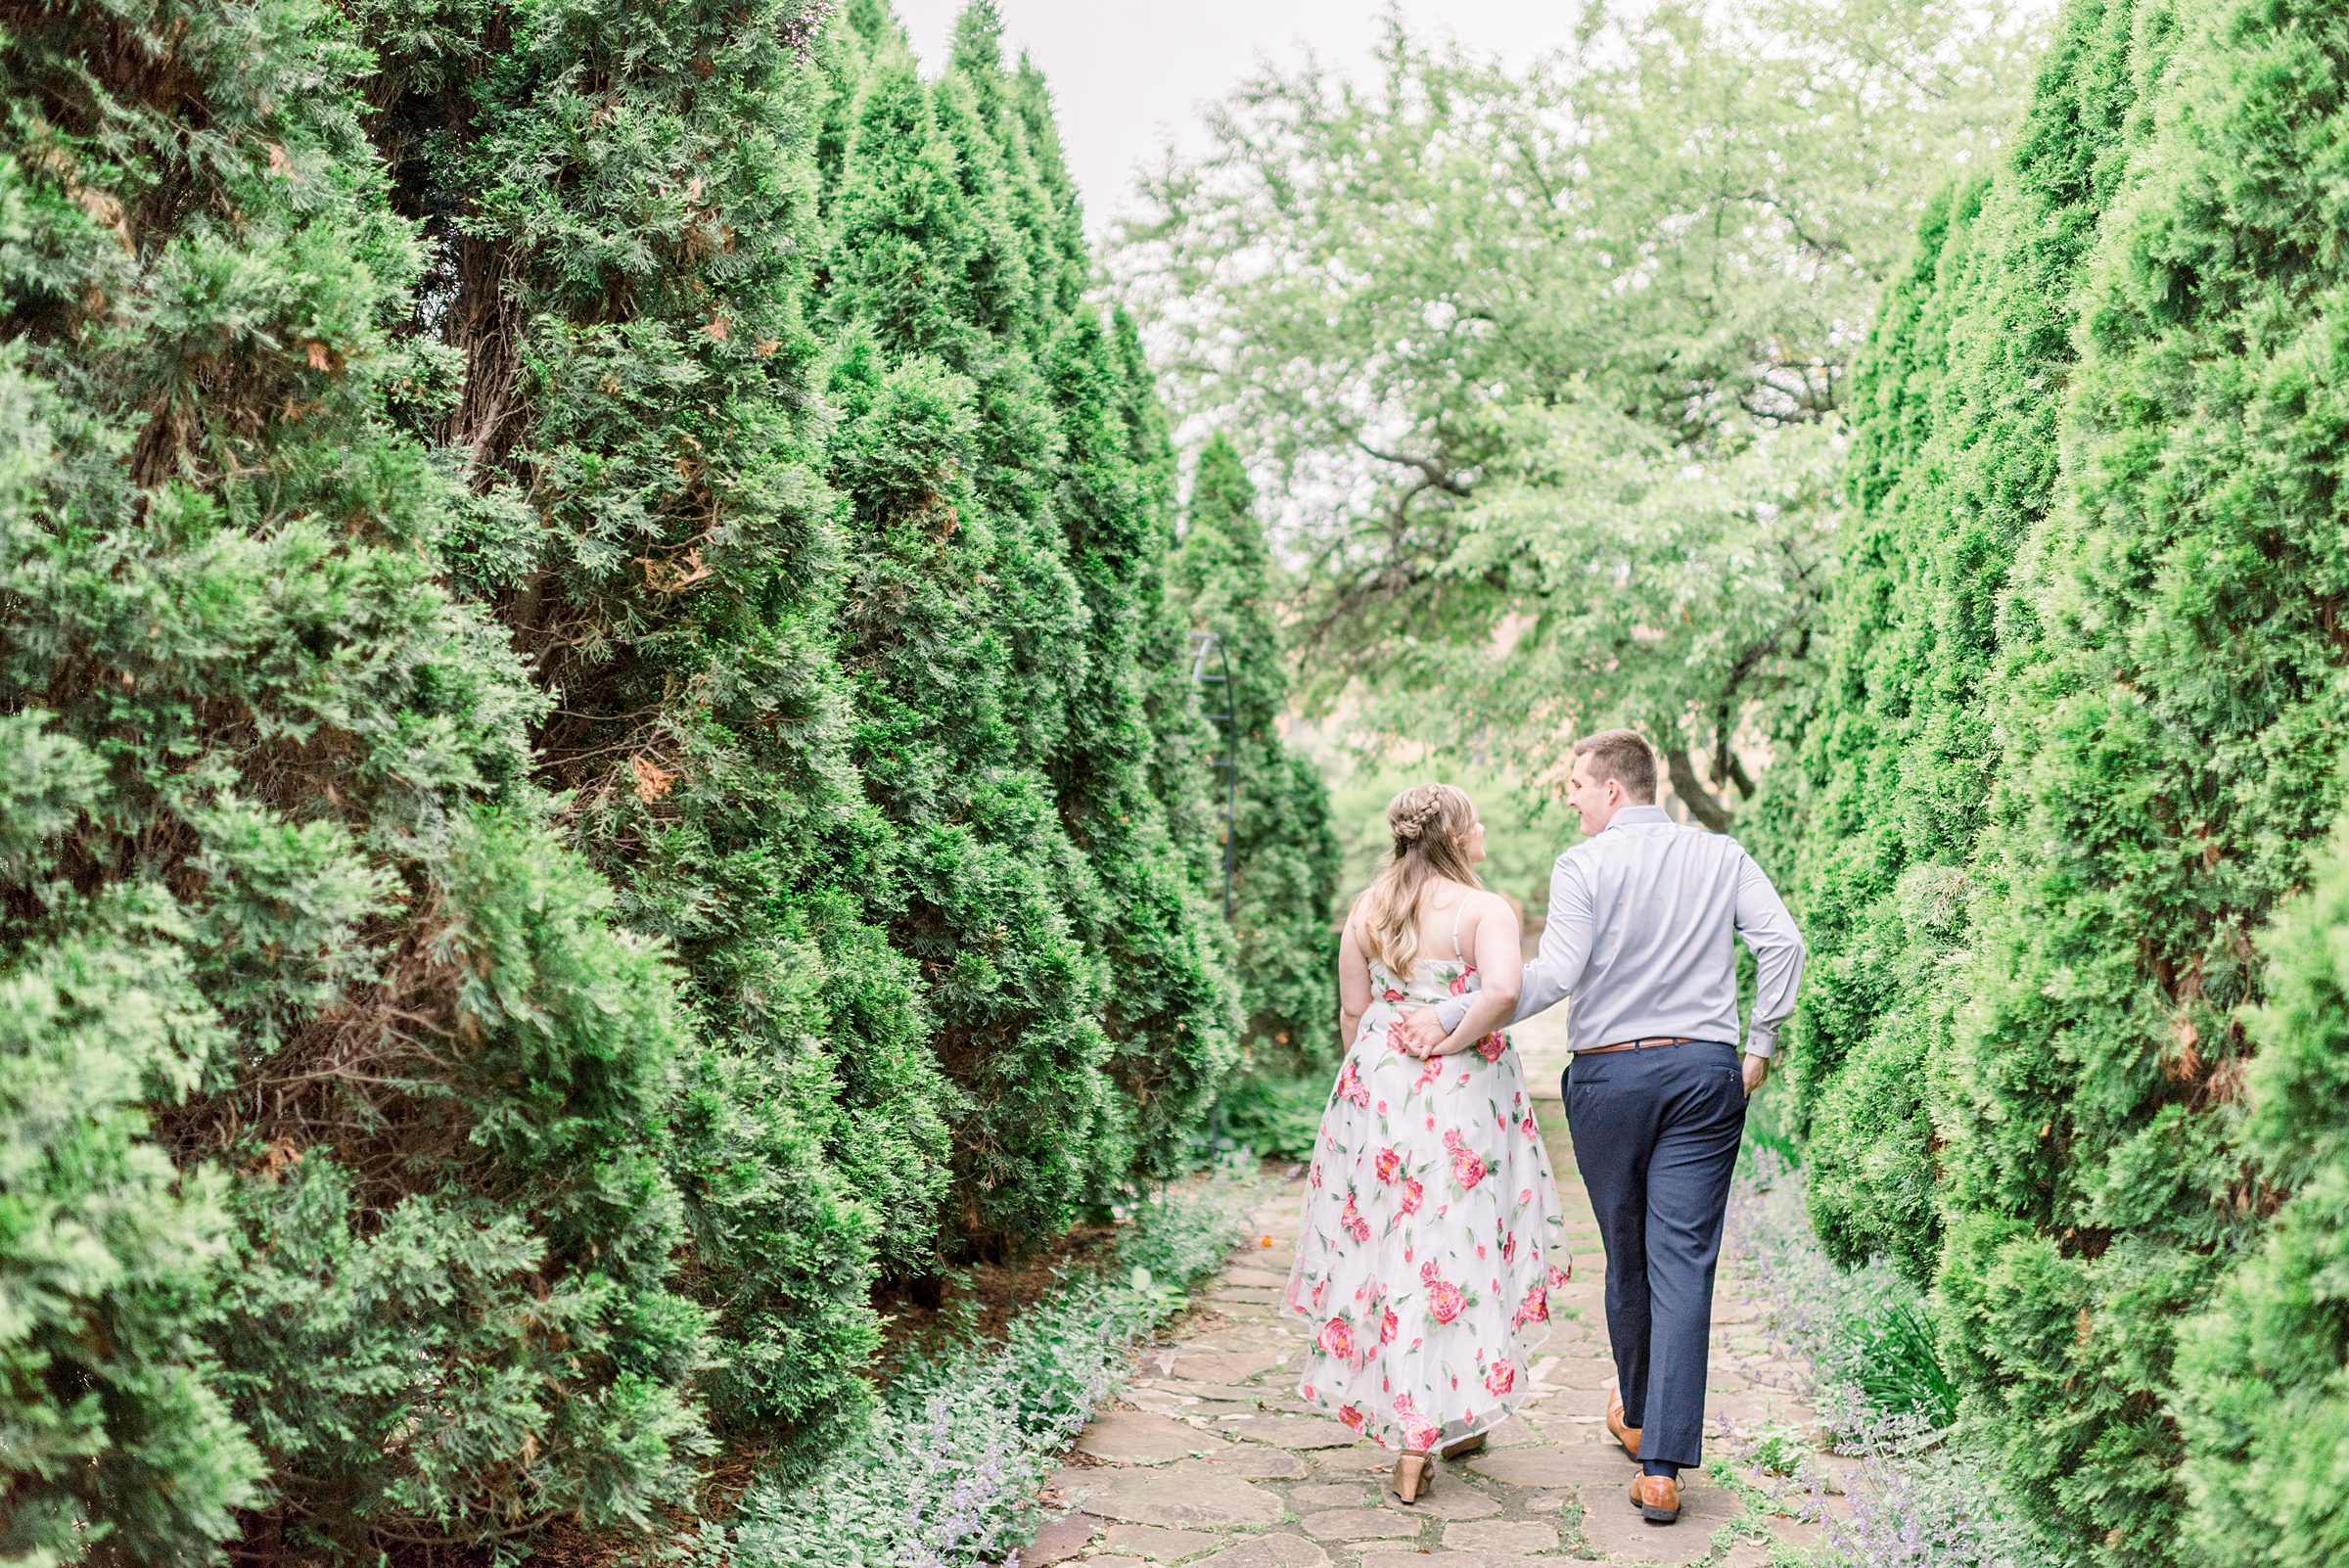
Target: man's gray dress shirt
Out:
[1638,935]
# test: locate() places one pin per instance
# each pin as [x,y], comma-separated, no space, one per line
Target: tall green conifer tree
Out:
[1953,464]
[1048,867]
[1286,859]
[961,625]
[280,906]
[2114,1136]
[622,214]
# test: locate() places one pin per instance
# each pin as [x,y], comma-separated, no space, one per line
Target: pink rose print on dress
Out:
[1418,1432]
[1445,1301]
[1466,1167]
[1559,1277]
[1460,983]
[1451,1206]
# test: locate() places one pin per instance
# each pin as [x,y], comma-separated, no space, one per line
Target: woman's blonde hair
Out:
[1430,822]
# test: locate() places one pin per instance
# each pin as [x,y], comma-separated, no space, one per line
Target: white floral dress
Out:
[1431,1238]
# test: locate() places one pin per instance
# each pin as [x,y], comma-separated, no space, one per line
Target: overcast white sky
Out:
[1128,75]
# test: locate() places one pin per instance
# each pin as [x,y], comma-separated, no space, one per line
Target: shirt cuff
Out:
[1449,1011]
[1762,1041]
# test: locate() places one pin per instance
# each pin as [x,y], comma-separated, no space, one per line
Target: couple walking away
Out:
[1431,1236]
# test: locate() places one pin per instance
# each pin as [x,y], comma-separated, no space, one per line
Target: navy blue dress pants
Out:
[1655,1134]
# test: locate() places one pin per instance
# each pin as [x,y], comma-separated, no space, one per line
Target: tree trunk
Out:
[486,322]
[1690,787]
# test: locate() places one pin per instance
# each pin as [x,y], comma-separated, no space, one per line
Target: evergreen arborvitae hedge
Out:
[281,904]
[1286,859]
[595,754]
[1953,463]
[1006,549]
[2082,745]
[622,217]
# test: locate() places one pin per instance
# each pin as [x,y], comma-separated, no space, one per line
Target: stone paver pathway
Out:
[1218,1465]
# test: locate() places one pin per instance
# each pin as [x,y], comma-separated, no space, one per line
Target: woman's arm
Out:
[1500,974]
[1353,987]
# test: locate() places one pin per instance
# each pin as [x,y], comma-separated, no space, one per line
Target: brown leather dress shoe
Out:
[1628,1436]
[1657,1498]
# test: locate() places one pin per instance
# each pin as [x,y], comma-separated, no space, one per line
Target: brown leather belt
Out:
[1641,1045]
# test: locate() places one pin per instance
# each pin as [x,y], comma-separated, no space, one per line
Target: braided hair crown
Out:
[1430,823]
[1411,817]
[1428,812]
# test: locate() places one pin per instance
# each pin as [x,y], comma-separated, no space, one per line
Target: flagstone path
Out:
[1217,1464]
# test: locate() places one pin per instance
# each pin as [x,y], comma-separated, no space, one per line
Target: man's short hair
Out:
[1624,756]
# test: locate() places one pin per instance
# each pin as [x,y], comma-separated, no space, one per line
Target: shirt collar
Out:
[1638,816]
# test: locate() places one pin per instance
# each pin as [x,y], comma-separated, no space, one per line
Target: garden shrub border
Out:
[948,1470]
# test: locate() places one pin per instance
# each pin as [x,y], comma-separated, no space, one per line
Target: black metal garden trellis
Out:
[1203,644]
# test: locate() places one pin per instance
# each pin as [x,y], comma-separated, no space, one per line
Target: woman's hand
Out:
[1452,1045]
[1499,972]
[1422,1033]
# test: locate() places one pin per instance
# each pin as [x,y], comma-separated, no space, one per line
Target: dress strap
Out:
[1458,910]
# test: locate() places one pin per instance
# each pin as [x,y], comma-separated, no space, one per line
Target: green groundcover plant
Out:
[1917,1499]
[948,1473]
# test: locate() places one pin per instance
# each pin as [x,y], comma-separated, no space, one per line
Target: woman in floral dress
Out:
[1431,1236]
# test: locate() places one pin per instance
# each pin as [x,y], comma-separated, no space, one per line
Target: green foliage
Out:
[1568,346]
[1897,1367]
[112,1419]
[1953,464]
[1285,856]
[2263,1377]
[949,1470]
[2103,695]
[358,1343]
[622,217]
[274,814]
[583,725]
[1007,551]
[1268,1115]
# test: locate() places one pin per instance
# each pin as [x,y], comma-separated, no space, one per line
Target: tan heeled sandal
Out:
[1414,1476]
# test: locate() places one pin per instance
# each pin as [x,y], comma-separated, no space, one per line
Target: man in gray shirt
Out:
[1640,918]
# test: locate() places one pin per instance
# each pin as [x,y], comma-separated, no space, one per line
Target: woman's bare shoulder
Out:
[1485,904]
